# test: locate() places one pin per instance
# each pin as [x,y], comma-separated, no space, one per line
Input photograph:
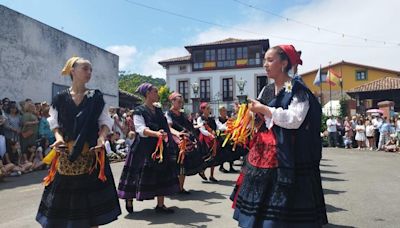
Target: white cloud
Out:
[364,18]
[150,64]
[126,55]
[371,19]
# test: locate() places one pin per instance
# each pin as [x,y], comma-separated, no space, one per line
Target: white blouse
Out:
[290,118]
[220,126]
[202,129]
[140,125]
[104,118]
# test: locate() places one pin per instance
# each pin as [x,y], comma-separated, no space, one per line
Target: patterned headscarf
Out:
[66,71]
[174,95]
[143,88]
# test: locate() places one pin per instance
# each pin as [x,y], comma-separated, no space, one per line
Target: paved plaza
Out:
[361,190]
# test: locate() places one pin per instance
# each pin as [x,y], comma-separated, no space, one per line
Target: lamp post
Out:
[195,99]
[241,84]
[195,87]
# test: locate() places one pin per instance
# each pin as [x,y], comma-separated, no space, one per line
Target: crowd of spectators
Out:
[373,132]
[26,137]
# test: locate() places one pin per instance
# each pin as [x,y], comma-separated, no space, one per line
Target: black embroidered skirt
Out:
[79,201]
[260,201]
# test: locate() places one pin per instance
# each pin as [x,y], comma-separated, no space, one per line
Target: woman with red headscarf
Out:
[207,138]
[280,184]
[189,159]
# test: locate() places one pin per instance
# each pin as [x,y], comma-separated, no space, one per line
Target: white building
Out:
[216,68]
[32,55]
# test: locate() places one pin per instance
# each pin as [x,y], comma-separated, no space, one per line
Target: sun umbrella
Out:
[375,111]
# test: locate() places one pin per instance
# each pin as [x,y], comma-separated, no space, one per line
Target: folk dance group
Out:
[279,184]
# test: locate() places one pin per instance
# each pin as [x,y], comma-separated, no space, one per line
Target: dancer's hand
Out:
[256,107]
[59,145]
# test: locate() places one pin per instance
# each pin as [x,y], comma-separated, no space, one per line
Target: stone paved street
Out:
[361,190]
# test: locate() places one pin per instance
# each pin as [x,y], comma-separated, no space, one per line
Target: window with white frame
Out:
[205,90]
[183,89]
[227,89]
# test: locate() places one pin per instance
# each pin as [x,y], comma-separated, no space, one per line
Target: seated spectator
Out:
[347,141]
[44,146]
[110,148]
[36,157]
[13,156]
[391,146]
[119,144]
[8,170]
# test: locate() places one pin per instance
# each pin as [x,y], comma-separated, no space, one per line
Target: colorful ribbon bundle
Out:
[240,129]
[158,152]
[51,158]
[182,149]
[100,159]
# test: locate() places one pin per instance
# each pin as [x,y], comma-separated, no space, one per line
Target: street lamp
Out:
[241,83]
[195,87]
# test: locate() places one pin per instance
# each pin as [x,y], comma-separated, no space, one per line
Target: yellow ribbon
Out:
[68,66]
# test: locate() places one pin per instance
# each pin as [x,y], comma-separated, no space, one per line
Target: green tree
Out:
[343,107]
[164,93]
[130,82]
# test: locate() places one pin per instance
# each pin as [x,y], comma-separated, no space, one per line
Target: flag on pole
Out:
[333,78]
[318,78]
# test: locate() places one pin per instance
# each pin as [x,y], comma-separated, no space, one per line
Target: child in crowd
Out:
[347,141]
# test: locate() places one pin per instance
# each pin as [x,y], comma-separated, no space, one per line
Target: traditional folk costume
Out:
[80,189]
[190,162]
[280,185]
[228,153]
[143,177]
[208,142]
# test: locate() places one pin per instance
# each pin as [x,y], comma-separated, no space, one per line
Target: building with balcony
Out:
[212,72]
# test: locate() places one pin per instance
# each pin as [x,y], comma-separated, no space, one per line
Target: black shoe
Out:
[129,209]
[203,176]
[184,192]
[164,210]
[223,170]
[212,179]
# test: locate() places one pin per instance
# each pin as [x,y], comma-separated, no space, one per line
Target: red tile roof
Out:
[386,83]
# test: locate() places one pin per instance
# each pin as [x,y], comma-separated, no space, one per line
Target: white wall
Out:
[216,76]
[32,55]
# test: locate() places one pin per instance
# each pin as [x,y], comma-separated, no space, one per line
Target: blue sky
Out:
[142,36]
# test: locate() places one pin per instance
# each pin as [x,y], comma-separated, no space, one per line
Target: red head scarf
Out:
[203,105]
[293,55]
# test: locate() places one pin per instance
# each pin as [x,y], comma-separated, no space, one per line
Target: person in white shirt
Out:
[369,132]
[332,131]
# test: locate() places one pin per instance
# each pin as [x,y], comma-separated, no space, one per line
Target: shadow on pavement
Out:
[331,209]
[330,172]
[35,177]
[227,183]
[331,179]
[336,226]
[182,217]
[326,165]
[200,195]
[332,192]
